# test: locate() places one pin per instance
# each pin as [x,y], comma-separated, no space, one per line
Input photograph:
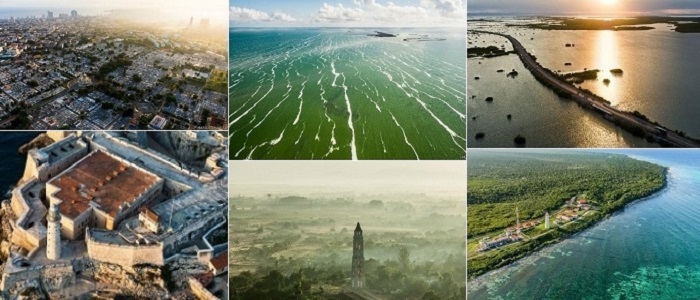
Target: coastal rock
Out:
[40,141]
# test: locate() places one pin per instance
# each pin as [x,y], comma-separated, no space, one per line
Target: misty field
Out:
[301,248]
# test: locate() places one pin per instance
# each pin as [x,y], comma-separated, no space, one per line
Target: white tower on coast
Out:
[517,221]
[546,220]
[53,231]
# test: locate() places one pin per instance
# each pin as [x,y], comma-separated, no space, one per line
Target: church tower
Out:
[358,259]
[53,232]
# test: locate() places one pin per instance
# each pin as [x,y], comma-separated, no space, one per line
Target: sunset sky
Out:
[588,7]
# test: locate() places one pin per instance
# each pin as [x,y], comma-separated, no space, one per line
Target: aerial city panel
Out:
[121,65]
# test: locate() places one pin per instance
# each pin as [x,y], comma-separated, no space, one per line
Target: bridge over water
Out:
[659,132]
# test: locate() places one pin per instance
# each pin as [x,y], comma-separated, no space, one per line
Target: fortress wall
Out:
[199,290]
[20,207]
[184,144]
[153,154]
[53,169]
[26,240]
[123,254]
[58,135]
[173,240]
[30,169]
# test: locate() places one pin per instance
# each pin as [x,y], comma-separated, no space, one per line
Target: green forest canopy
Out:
[535,182]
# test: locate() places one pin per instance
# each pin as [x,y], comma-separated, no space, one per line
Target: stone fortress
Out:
[94,204]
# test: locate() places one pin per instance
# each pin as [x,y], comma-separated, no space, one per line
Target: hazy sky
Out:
[445,177]
[215,10]
[350,13]
[588,7]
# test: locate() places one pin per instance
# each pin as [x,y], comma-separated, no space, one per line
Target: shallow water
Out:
[646,251]
[659,69]
[321,93]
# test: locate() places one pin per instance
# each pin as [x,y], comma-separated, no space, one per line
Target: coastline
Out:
[564,236]
[635,123]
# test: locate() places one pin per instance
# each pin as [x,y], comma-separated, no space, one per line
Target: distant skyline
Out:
[173,10]
[588,7]
[347,13]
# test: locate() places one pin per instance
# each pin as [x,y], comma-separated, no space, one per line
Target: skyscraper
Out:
[49,14]
[358,259]
[74,13]
[546,220]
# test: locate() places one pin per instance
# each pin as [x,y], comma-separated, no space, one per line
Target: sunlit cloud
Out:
[362,13]
[447,8]
[338,13]
[247,15]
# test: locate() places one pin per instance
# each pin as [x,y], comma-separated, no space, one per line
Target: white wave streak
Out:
[301,103]
[452,133]
[332,148]
[317,138]
[278,139]
[272,86]
[461,114]
[251,97]
[301,134]
[405,138]
[382,139]
[265,117]
[353,149]
[376,105]
[334,73]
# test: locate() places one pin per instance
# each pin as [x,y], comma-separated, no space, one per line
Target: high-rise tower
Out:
[546,220]
[358,259]
[53,231]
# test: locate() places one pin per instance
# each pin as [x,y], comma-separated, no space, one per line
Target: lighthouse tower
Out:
[358,259]
[53,231]
[546,220]
[517,221]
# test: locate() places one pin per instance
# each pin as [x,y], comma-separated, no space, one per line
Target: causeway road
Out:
[660,133]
